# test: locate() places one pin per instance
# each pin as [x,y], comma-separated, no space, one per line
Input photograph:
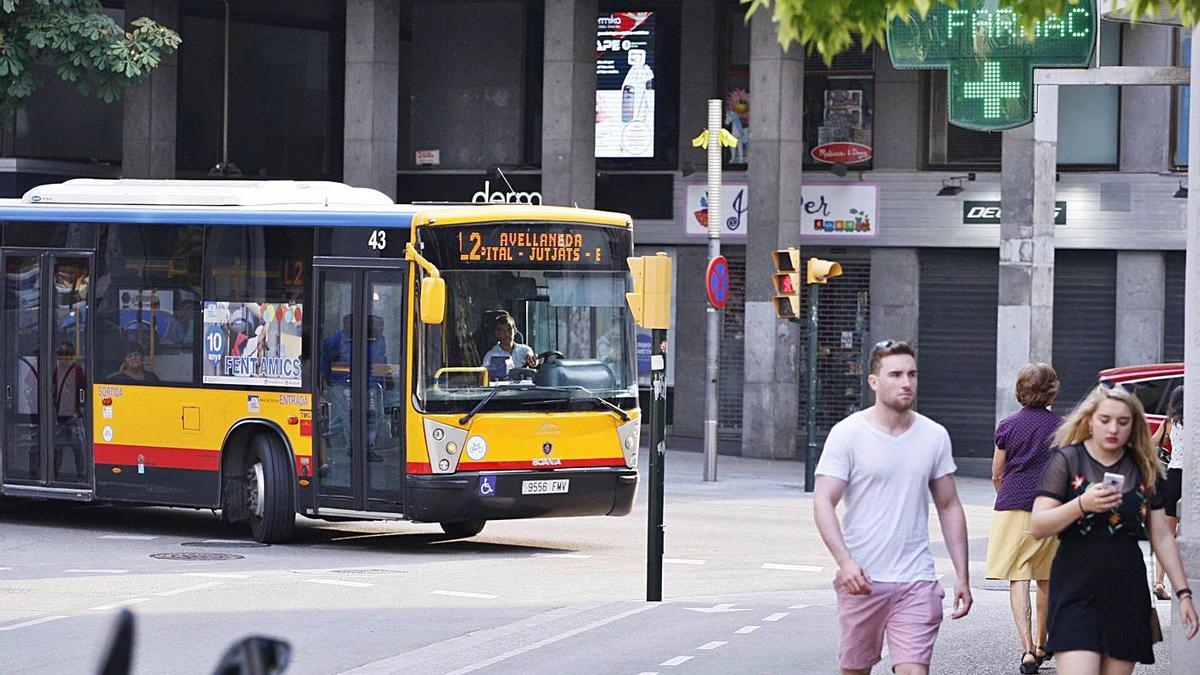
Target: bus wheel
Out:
[269,491]
[463,528]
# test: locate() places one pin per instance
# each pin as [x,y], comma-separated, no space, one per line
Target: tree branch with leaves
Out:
[84,45]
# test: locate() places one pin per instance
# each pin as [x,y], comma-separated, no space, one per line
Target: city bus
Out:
[275,348]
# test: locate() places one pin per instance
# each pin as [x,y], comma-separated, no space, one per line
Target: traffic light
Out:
[787,283]
[821,271]
[650,300]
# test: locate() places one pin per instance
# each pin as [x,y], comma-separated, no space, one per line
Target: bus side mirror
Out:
[433,300]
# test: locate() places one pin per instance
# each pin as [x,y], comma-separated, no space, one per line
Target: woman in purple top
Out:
[1022,450]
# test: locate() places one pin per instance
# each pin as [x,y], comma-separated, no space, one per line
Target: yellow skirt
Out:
[1013,554]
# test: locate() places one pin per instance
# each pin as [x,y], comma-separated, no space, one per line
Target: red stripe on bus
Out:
[164,458]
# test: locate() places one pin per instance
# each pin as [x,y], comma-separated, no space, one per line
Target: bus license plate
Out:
[545,487]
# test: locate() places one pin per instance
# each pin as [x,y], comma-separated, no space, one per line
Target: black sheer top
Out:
[1072,470]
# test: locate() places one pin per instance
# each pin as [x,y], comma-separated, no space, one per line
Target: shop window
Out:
[1183,57]
[1088,127]
[285,101]
[147,303]
[839,99]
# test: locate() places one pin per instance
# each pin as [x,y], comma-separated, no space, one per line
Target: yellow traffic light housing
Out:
[787,283]
[650,300]
[821,271]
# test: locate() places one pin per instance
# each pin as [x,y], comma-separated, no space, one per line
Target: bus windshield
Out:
[535,319]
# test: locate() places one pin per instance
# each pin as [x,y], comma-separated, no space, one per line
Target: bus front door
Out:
[360,383]
[45,346]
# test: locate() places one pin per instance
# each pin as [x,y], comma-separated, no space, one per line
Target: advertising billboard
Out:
[625,85]
[252,344]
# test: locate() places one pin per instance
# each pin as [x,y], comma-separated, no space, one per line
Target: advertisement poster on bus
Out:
[252,344]
[625,85]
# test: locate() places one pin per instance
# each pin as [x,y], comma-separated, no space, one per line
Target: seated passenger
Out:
[132,370]
[506,354]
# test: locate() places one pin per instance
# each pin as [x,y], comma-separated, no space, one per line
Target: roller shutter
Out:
[1085,315]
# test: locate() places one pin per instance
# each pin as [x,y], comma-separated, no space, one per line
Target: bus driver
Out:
[506,354]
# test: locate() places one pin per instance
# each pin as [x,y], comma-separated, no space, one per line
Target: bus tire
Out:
[269,497]
[463,528]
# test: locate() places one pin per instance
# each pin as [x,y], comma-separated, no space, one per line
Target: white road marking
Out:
[649,672]
[96,571]
[2,569]
[186,589]
[116,605]
[129,537]
[776,616]
[551,640]
[746,629]
[799,606]
[464,594]
[339,582]
[678,660]
[219,575]
[683,561]
[792,568]
[717,609]
[573,556]
[712,645]
[31,622]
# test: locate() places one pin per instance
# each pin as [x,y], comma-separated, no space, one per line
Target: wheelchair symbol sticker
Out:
[487,486]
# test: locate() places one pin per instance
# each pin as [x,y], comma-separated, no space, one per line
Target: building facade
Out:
[595,103]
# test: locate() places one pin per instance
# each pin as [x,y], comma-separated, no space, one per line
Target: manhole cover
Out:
[197,556]
[377,572]
[217,543]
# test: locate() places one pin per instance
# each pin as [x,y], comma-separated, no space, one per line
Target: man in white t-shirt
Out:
[887,461]
[507,354]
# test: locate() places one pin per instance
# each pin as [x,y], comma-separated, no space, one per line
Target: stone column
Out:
[1025,316]
[697,72]
[148,109]
[688,340]
[895,294]
[1185,654]
[372,78]
[770,400]
[569,104]
[1141,303]
[1145,147]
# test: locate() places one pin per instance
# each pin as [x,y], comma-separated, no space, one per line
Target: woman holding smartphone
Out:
[1100,493]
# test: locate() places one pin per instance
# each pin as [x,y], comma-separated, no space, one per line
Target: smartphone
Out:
[1116,481]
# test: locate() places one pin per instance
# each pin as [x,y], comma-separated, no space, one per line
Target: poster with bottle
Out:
[625,85]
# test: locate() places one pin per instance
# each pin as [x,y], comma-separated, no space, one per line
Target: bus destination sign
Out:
[514,245]
[990,56]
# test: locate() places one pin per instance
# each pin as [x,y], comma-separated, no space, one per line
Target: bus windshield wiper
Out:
[589,395]
[488,399]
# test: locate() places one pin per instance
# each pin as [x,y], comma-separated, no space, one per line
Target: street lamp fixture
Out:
[953,185]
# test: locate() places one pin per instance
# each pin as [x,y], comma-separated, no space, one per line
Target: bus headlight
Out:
[629,435]
[476,448]
[442,442]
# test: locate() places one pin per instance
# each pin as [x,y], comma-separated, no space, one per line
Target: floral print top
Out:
[1072,470]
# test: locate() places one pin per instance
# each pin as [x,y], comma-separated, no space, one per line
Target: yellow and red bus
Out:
[278,348]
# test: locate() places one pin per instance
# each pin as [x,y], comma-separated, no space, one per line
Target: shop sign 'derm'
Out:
[990,56]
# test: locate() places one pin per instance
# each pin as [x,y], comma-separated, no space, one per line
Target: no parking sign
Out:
[716,282]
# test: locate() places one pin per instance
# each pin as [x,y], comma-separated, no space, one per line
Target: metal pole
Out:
[713,317]
[810,456]
[225,100]
[658,424]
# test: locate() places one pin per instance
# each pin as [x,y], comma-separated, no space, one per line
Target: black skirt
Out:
[1100,599]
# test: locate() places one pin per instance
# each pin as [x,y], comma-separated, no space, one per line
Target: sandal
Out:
[1160,591]
[1041,654]
[1029,667]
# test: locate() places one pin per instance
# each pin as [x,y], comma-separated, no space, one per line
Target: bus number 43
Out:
[378,240]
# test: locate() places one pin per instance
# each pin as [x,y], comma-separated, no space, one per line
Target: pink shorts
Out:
[910,613]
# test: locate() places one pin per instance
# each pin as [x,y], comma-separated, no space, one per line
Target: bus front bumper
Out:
[499,496]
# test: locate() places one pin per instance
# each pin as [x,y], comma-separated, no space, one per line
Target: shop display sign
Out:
[990,56]
[735,201]
[842,153]
[840,210]
[252,344]
[625,85]
[988,213]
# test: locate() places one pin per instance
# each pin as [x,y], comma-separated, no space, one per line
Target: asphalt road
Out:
[746,589]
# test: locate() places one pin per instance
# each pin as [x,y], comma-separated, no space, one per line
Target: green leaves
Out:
[828,26]
[85,46]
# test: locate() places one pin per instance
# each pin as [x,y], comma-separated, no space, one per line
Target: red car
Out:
[1153,384]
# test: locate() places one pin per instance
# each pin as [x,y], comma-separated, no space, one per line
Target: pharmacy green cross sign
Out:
[990,56]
